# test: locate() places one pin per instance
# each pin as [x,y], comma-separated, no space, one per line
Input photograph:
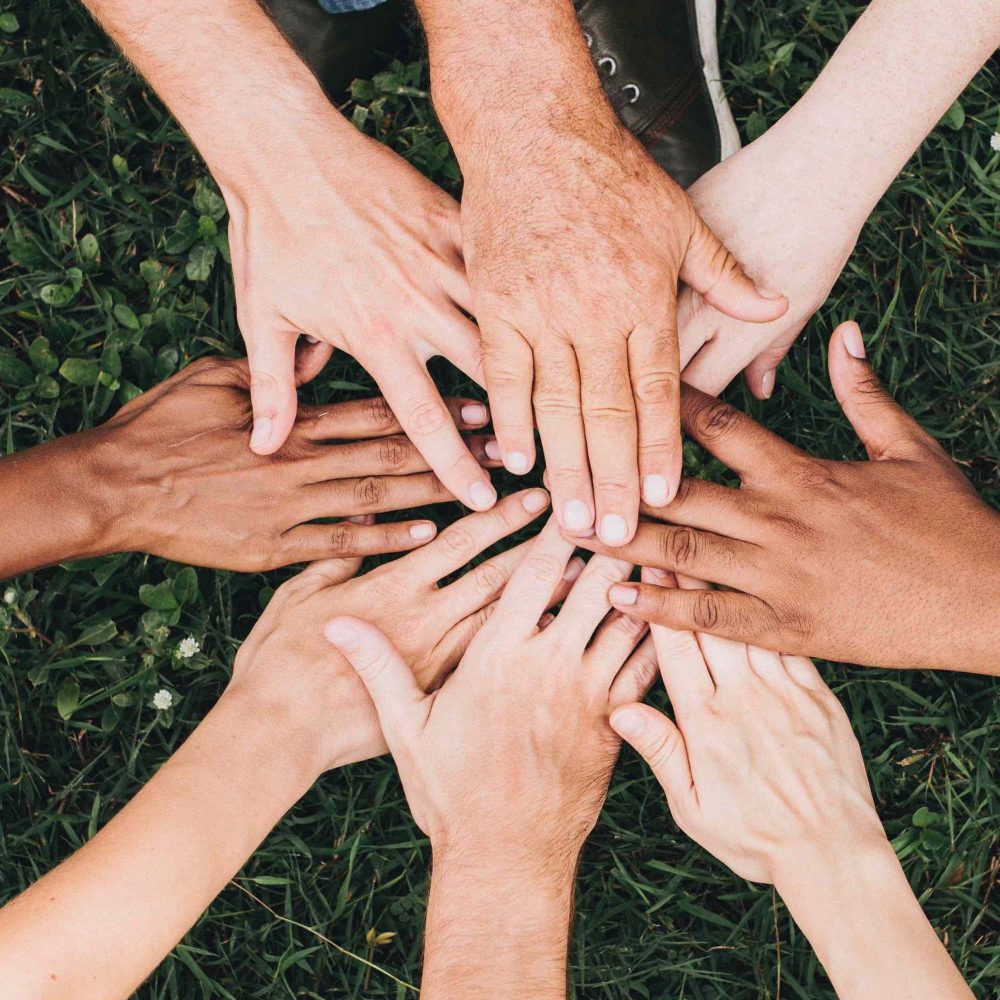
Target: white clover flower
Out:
[186,648]
[995,142]
[162,700]
[9,595]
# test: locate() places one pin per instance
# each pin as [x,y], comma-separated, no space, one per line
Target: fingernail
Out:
[535,500]
[362,519]
[482,496]
[628,724]
[342,635]
[576,516]
[660,574]
[767,384]
[623,596]
[420,532]
[767,293]
[850,334]
[261,432]
[311,340]
[614,530]
[573,569]
[475,413]
[493,450]
[545,621]
[654,490]
[516,462]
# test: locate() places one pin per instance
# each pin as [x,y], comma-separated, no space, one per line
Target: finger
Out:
[761,374]
[765,664]
[681,661]
[722,613]
[614,642]
[339,569]
[369,495]
[653,366]
[639,674]
[425,419]
[803,671]
[699,503]
[560,426]
[360,419]
[449,651]
[510,375]
[749,449]
[484,583]
[661,745]
[462,541]
[886,430]
[272,390]
[609,420]
[531,585]
[308,542]
[710,269]
[458,339]
[386,456]
[587,603]
[386,675]
[311,356]
[702,554]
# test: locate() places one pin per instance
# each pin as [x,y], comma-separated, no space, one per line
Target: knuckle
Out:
[369,492]
[549,404]
[262,381]
[714,419]
[680,547]
[341,537]
[816,474]
[379,413]
[427,417]
[489,578]
[608,412]
[707,610]
[615,488]
[394,452]
[543,567]
[571,474]
[459,541]
[655,387]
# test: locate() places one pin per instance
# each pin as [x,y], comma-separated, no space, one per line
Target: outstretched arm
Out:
[792,204]
[315,206]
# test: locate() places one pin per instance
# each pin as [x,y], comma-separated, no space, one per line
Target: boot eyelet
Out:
[634,90]
[610,62]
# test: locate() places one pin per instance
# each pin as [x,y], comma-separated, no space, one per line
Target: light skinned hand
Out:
[761,768]
[189,489]
[577,313]
[369,262]
[527,707]
[889,562]
[286,662]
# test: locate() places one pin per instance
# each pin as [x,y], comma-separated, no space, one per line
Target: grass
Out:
[103,256]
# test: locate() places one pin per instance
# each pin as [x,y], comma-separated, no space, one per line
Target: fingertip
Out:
[482,495]
[623,596]
[422,531]
[343,634]
[518,462]
[851,339]
[629,722]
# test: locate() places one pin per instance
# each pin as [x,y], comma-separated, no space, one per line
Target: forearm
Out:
[867,927]
[496,929]
[56,506]
[897,71]
[232,81]
[98,924]
[504,73]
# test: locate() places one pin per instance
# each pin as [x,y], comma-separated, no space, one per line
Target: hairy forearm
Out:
[233,82]
[98,924]
[57,506]
[897,71]
[496,929]
[867,927]
[502,73]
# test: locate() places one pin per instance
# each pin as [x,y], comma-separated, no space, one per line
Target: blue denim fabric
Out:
[346,6]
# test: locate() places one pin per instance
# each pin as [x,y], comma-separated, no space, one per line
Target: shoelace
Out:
[608,65]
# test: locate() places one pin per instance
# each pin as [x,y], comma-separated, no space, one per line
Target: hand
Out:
[290,671]
[358,251]
[761,767]
[574,247]
[890,562]
[176,472]
[528,709]
[789,234]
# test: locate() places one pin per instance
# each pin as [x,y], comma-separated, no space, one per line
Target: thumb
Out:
[886,430]
[272,390]
[383,671]
[709,268]
[660,742]
[760,374]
